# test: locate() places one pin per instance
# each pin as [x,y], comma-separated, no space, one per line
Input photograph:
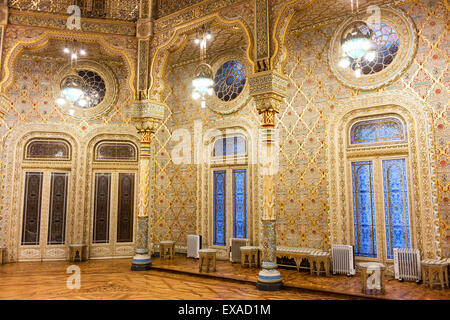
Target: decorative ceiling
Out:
[54,50]
[127,10]
[321,11]
[224,39]
[166,7]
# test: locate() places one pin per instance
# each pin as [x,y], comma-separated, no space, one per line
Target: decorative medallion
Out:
[394,41]
[97,82]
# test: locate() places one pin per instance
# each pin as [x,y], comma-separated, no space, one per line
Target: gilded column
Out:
[268,91]
[146,117]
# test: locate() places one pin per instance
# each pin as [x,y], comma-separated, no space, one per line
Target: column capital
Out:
[147,115]
[268,89]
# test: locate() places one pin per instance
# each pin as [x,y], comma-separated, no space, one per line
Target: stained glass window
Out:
[122,151]
[230,146]
[396,205]
[94,85]
[220,208]
[377,130]
[386,41]
[364,209]
[47,149]
[229,80]
[240,203]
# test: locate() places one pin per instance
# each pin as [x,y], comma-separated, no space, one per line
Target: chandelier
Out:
[73,86]
[356,45]
[203,79]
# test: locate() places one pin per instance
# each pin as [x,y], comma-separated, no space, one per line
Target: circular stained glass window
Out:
[229,80]
[386,42]
[94,86]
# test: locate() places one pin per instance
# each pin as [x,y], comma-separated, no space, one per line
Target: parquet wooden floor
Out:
[338,284]
[113,279]
[179,279]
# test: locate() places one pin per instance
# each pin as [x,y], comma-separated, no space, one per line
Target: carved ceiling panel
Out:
[166,7]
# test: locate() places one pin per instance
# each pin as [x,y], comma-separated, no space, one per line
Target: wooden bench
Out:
[166,249]
[249,256]
[208,259]
[298,254]
[435,272]
[2,253]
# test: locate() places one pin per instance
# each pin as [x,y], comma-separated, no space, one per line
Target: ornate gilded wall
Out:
[181,190]
[32,107]
[314,95]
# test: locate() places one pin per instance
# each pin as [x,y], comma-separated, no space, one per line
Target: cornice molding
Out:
[47,20]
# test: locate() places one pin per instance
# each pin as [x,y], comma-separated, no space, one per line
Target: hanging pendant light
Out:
[202,82]
[357,45]
[203,79]
[73,86]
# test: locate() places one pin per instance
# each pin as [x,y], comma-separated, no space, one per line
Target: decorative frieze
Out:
[60,22]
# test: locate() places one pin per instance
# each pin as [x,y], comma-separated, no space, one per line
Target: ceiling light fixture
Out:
[356,45]
[203,79]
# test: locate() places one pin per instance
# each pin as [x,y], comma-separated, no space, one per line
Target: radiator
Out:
[343,257]
[235,248]
[407,264]
[194,243]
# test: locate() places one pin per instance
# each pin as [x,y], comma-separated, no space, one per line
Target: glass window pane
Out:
[377,131]
[240,203]
[232,146]
[364,209]
[396,205]
[219,208]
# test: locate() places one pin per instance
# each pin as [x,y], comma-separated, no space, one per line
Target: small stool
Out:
[208,259]
[435,272]
[166,249]
[77,252]
[249,256]
[2,252]
[316,260]
[366,271]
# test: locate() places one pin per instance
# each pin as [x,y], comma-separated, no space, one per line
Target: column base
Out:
[262,286]
[269,280]
[141,262]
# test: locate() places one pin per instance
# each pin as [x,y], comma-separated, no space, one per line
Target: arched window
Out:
[115,151]
[230,146]
[47,149]
[380,176]
[383,130]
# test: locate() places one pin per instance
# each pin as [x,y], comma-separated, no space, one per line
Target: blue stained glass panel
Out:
[364,209]
[378,130]
[396,205]
[219,208]
[240,203]
[229,80]
[230,146]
